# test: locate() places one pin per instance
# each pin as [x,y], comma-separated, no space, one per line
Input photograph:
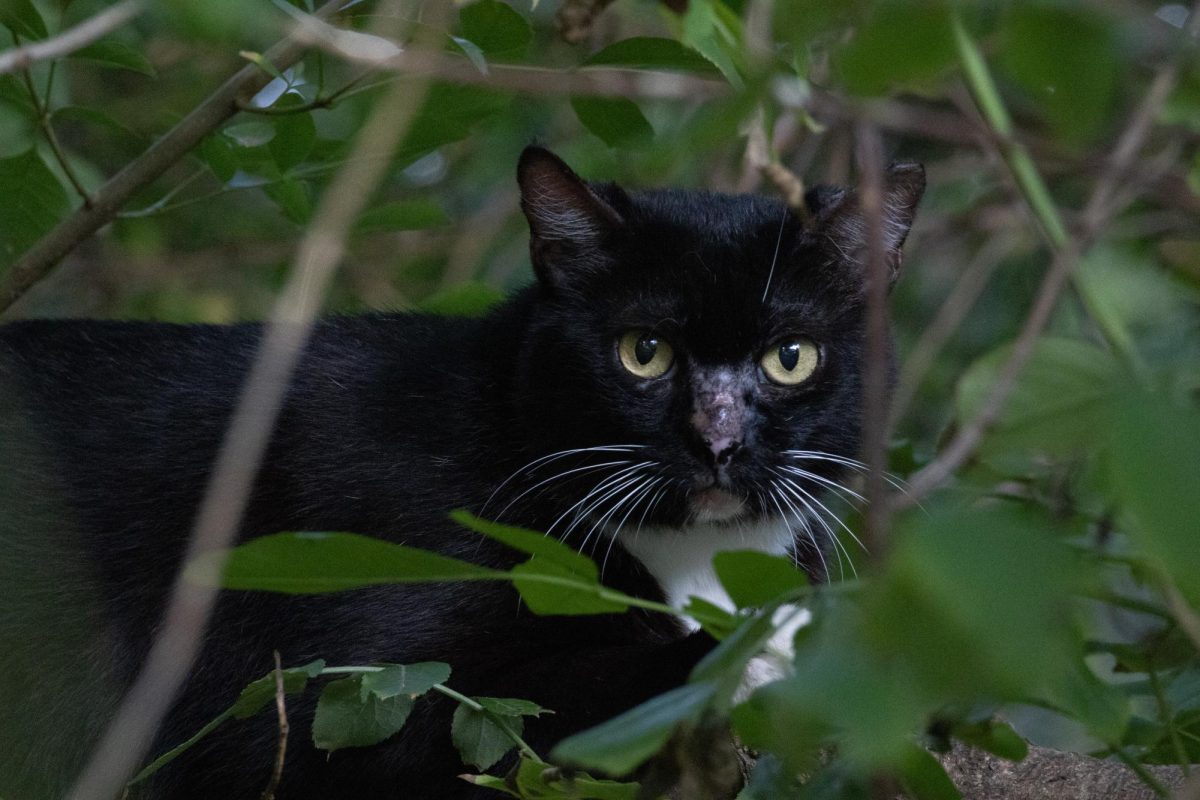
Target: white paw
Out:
[775,662]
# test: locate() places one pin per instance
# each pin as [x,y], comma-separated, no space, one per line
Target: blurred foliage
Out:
[1049,586]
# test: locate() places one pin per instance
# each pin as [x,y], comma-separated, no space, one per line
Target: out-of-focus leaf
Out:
[712,29]
[1059,403]
[22,17]
[407,679]
[471,299]
[994,736]
[647,52]
[293,199]
[753,578]
[924,778]
[616,120]
[496,28]
[217,152]
[448,114]
[510,706]
[94,116]
[1073,79]
[43,202]
[624,742]
[310,563]
[402,215]
[349,717]
[254,133]
[1155,466]
[294,136]
[113,53]
[901,44]
[717,622]
[473,53]
[537,779]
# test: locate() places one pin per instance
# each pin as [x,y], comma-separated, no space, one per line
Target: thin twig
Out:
[41,109]
[246,437]
[43,256]
[758,156]
[869,154]
[281,751]
[70,40]
[1096,213]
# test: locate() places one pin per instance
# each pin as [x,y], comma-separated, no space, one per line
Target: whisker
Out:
[833,486]
[798,488]
[608,448]
[584,469]
[641,492]
[804,497]
[632,480]
[775,258]
[609,486]
[774,497]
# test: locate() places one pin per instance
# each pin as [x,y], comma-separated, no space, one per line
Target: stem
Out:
[42,109]
[495,719]
[1164,716]
[1143,774]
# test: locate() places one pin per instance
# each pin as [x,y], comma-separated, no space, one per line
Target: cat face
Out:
[710,346]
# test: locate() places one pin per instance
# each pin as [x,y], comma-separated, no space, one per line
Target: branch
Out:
[70,40]
[284,728]
[1098,211]
[758,156]
[176,143]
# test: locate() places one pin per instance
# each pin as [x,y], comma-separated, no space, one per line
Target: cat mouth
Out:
[715,504]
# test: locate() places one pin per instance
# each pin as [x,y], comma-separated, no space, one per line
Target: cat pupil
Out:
[645,349]
[789,355]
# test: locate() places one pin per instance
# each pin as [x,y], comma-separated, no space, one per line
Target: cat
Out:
[679,357]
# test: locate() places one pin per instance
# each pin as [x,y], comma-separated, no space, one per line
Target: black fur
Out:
[110,428]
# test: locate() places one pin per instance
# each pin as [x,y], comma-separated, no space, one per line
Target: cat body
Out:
[619,403]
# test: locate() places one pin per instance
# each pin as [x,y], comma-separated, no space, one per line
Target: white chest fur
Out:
[680,559]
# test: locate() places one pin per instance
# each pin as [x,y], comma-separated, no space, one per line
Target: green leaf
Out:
[648,52]
[113,53]
[924,778]
[491,782]
[902,44]
[218,152]
[471,299]
[626,741]
[531,542]
[348,716]
[292,198]
[22,17]
[753,578]
[306,563]
[43,202]
[616,120]
[479,740]
[92,116]
[294,136]
[548,587]
[472,52]
[1073,79]
[450,112]
[412,680]
[1154,464]
[510,707]
[1060,400]
[994,736]
[254,133]
[715,31]
[259,693]
[537,779]
[402,215]
[706,612]
[496,28]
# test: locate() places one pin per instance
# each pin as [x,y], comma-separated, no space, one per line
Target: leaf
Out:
[496,29]
[407,679]
[254,133]
[292,198]
[901,44]
[548,587]
[715,31]
[616,120]
[649,52]
[471,299]
[1154,464]
[306,563]
[43,202]
[704,612]
[924,778]
[345,719]
[479,740]
[1060,400]
[402,215]
[113,53]
[295,134]
[537,779]
[92,116]
[623,743]
[510,707]
[472,52]
[1073,79]
[753,578]
[260,692]
[531,542]
[22,17]
[994,736]
[450,112]
[490,782]
[217,151]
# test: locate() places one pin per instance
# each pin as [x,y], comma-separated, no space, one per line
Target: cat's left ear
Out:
[569,222]
[840,218]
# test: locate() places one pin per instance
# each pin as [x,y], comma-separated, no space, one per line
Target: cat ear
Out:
[568,220]
[840,219]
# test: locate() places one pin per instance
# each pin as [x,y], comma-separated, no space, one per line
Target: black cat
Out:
[682,378]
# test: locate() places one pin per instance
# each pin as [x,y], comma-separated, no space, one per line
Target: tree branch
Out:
[70,40]
[176,143]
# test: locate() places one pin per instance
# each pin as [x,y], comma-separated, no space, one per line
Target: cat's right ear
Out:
[569,222]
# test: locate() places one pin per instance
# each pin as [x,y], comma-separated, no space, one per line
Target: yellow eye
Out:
[791,361]
[644,354]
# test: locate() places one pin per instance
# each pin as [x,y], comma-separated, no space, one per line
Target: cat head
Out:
[710,346]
